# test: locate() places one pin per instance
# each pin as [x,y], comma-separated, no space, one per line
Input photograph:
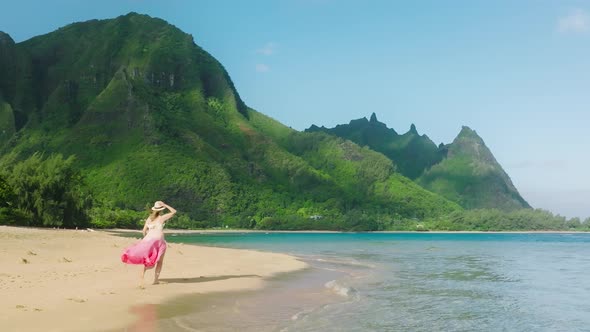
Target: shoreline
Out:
[73,280]
[233,231]
[284,299]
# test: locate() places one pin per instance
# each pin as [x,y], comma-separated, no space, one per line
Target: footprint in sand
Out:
[107,293]
[75,299]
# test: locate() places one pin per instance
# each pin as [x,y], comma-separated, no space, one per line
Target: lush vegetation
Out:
[471,176]
[498,220]
[44,192]
[149,115]
[411,152]
[145,114]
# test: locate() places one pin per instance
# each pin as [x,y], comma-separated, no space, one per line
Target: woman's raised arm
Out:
[169,214]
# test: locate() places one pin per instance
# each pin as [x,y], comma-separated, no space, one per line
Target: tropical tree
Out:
[49,192]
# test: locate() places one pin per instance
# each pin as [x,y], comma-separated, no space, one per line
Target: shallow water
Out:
[402,282]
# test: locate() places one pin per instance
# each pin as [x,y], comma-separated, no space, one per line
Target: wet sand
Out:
[285,299]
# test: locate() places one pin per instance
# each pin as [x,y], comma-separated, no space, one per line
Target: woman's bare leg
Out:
[158,269]
[142,277]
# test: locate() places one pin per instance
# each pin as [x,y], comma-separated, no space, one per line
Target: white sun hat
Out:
[158,206]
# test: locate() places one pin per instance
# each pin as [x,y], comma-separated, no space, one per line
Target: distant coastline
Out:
[226,231]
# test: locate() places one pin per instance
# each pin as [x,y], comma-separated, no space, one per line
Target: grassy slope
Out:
[360,173]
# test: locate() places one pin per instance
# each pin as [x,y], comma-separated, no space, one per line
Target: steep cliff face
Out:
[73,65]
[8,58]
[8,74]
[471,176]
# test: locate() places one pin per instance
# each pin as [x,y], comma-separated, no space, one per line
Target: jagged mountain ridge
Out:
[411,152]
[464,171]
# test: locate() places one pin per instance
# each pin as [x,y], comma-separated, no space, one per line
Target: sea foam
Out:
[335,287]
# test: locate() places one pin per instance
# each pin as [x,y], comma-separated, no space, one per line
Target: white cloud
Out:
[268,49]
[262,68]
[577,20]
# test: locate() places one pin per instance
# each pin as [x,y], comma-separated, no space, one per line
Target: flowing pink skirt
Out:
[147,252]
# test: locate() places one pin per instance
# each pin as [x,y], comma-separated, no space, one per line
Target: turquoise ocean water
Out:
[404,282]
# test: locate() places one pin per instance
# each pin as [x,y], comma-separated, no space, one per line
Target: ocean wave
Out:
[338,289]
[345,262]
[180,325]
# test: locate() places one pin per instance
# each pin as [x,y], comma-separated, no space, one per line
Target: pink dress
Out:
[149,250]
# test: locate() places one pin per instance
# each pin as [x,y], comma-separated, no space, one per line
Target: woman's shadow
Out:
[204,279]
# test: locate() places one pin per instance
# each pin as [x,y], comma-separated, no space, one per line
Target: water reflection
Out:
[147,318]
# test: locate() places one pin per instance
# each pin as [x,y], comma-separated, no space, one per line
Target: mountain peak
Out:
[141,17]
[373,117]
[131,14]
[484,183]
[467,132]
[469,139]
[314,128]
[469,142]
[5,39]
[413,129]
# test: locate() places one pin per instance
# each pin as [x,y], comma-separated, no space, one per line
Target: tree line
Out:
[52,192]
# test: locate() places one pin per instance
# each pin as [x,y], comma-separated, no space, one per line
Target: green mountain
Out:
[464,171]
[471,176]
[150,115]
[411,152]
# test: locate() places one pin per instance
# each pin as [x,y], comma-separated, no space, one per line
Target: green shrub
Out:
[117,218]
[48,192]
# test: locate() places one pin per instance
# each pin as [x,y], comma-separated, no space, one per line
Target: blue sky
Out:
[517,72]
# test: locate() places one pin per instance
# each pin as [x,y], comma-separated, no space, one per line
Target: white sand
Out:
[66,280]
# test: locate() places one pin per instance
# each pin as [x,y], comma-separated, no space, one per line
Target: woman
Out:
[151,249]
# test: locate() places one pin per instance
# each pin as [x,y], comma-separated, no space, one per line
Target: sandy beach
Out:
[73,280]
